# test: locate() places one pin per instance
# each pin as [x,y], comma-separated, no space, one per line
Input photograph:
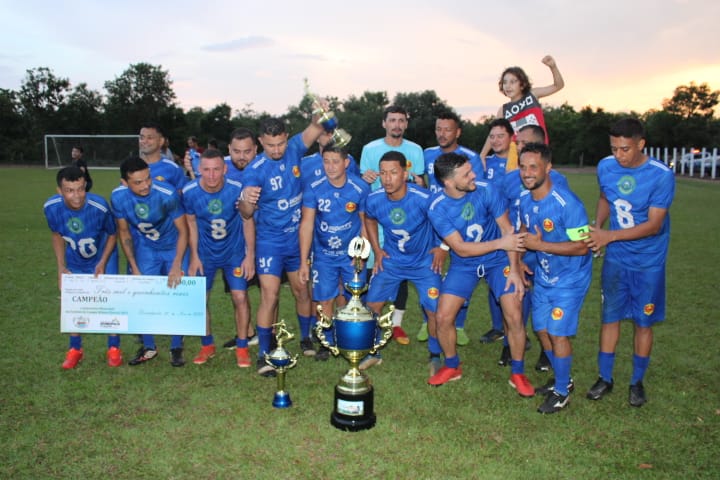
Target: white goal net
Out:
[99,151]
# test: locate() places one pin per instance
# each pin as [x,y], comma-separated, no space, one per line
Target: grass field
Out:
[216,421]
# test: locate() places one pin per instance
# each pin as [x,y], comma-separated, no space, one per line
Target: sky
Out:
[619,55]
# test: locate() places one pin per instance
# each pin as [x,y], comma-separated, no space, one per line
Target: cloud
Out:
[244,43]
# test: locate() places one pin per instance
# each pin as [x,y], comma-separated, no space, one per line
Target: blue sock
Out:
[452,362]
[496,315]
[149,342]
[305,323]
[434,345]
[76,342]
[176,341]
[551,356]
[517,366]
[241,343]
[206,340]
[264,338]
[562,366]
[113,341]
[461,316]
[640,365]
[606,363]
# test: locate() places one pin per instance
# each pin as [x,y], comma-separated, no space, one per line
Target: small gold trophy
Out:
[340,138]
[281,360]
[354,334]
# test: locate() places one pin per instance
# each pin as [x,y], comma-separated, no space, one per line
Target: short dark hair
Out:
[501,122]
[69,174]
[446,164]
[272,127]
[525,85]
[395,109]
[155,127]
[211,153]
[628,127]
[78,147]
[535,130]
[536,147]
[339,150]
[394,156]
[241,134]
[449,115]
[213,144]
[131,165]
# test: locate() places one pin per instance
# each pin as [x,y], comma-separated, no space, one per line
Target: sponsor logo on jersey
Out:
[215,206]
[237,272]
[160,178]
[75,225]
[557,313]
[350,207]
[649,309]
[626,184]
[142,210]
[433,293]
[468,211]
[397,216]
[506,271]
[548,225]
[296,171]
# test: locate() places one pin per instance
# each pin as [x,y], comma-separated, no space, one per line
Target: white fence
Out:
[693,162]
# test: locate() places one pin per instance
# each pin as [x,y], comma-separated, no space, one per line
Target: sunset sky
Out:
[618,55]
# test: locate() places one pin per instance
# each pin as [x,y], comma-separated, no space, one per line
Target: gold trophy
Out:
[281,360]
[354,331]
[340,138]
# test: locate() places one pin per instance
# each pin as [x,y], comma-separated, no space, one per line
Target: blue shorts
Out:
[637,295]
[232,270]
[557,310]
[111,267]
[461,280]
[384,286]
[159,262]
[274,259]
[329,275]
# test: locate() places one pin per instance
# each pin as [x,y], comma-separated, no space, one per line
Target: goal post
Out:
[102,152]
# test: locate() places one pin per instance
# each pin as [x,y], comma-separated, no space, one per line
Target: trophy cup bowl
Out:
[328,120]
[281,361]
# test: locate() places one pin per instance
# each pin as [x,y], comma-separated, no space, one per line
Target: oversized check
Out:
[132,304]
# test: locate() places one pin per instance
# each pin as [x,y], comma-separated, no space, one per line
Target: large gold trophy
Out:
[354,328]
[340,138]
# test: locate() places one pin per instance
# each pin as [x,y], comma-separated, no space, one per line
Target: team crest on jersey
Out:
[649,309]
[506,271]
[142,210]
[433,293]
[409,165]
[350,207]
[215,206]
[397,216]
[296,171]
[548,225]
[626,184]
[468,211]
[557,313]
[75,225]
[237,272]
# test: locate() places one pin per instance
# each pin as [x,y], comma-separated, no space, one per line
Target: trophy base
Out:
[282,400]
[353,412]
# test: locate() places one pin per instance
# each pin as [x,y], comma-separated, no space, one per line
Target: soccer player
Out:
[162,169]
[472,219]
[555,221]
[220,239]
[153,234]
[636,192]
[83,239]
[395,122]
[447,132]
[410,251]
[312,166]
[242,150]
[332,215]
[273,192]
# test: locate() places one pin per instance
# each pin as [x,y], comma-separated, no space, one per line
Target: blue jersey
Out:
[168,171]
[337,209]
[495,169]
[152,217]
[279,207]
[474,217]
[219,224]
[234,173]
[560,211]
[431,154]
[373,151]
[408,233]
[631,192]
[85,231]
[311,168]
[512,188]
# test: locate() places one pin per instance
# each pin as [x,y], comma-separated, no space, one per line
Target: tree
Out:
[82,111]
[692,101]
[423,108]
[361,117]
[12,134]
[216,123]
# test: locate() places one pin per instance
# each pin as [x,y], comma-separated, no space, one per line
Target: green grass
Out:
[216,421]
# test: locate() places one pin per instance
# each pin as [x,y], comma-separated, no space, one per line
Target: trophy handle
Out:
[385,325]
[324,322]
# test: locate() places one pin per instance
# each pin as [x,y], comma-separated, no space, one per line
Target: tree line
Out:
[47,103]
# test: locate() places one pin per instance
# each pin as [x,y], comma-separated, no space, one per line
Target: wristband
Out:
[444,246]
